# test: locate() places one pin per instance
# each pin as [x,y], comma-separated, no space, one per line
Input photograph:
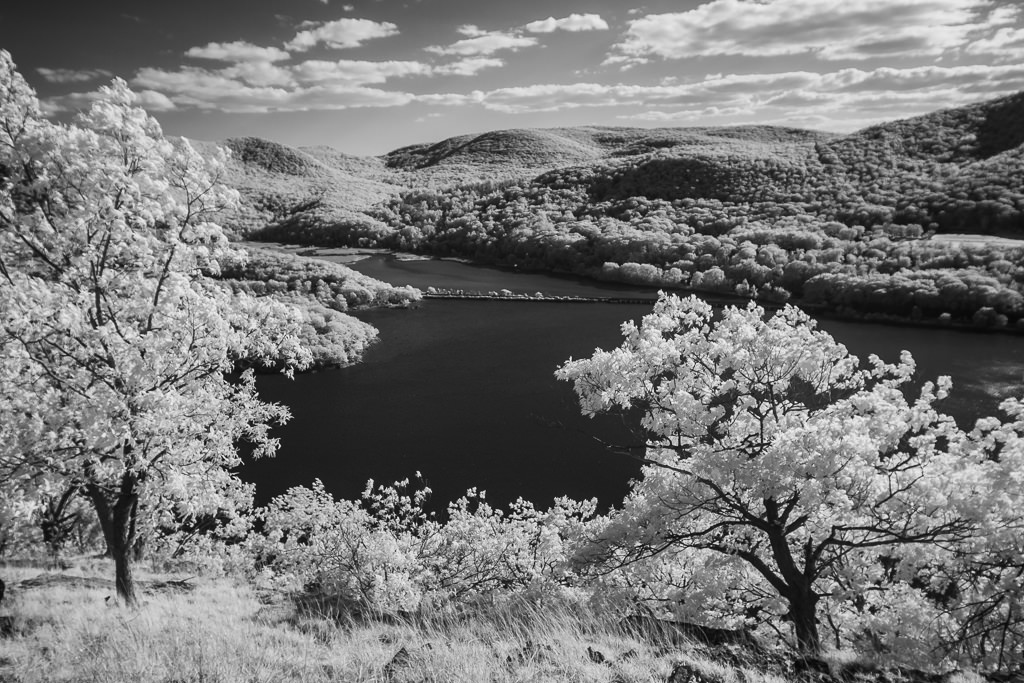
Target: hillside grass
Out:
[68,627]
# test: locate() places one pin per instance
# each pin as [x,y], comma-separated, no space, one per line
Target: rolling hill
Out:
[958,168]
[842,221]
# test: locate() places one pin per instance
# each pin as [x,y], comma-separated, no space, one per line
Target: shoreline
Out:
[349,255]
[870,318]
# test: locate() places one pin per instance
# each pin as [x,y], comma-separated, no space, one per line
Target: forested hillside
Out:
[321,292]
[844,223]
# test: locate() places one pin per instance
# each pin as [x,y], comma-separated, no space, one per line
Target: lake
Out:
[463,391]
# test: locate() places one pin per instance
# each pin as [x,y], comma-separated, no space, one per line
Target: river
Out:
[463,391]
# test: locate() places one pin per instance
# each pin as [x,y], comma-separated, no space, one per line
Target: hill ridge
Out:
[761,211]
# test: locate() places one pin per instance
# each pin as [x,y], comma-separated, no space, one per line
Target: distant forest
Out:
[840,223]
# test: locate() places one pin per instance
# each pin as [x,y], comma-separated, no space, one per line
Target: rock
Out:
[530,652]
[399,661]
[860,672]
[684,673]
[678,632]
[48,581]
[811,666]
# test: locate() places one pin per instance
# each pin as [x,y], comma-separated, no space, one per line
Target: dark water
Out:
[473,278]
[463,391]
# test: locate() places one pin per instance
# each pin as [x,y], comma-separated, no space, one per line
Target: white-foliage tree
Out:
[115,348]
[981,581]
[785,479]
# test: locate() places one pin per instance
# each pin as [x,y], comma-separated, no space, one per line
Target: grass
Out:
[67,627]
[219,630]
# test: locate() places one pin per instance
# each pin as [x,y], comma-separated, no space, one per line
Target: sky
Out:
[369,76]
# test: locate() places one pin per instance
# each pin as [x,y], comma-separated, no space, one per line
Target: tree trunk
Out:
[56,524]
[803,609]
[796,585]
[118,523]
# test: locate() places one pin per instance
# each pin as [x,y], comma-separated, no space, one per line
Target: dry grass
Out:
[220,631]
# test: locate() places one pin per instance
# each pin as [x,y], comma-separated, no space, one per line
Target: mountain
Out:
[956,170]
[840,221]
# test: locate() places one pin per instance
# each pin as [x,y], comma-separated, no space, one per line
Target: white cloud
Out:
[355,72]
[154,101]
[846,98]
[471,30]
[483,43]
[147,99]
[203,89]
[453,99]
[469,66]
[341,33]
[827,29]
[1005,44]
[311,84]
[573,22]
[479,42]
[73,75]
[238,51]
[259,74]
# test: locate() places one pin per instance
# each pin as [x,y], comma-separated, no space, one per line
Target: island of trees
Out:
[792,495]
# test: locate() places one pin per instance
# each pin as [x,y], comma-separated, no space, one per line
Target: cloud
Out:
[573,22]
[252,87]
[842,99]
[259,74]
[217,90]
[147,99]
[470,30]
[354,72]
[154,101]
[469,66]
[238,51]
[826,29]
[1005,44]
[341,33]
[479,42]
[483,43]
[73,75]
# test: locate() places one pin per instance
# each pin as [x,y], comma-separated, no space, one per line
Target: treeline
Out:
[769,251]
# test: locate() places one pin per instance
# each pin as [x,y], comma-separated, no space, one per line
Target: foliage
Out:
[335,286]
[782,480]
[321,292]
[386,554]
[116,347]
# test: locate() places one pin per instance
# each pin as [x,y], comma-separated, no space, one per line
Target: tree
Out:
[770,451]
[116,349]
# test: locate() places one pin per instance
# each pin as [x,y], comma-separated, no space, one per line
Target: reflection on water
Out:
[463,391]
